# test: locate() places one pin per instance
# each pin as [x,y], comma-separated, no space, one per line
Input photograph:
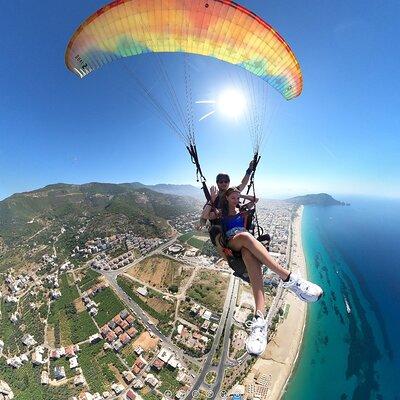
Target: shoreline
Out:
[279,360]
[304,274]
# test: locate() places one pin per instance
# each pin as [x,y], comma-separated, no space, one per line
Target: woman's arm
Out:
[253,199]
[250,204]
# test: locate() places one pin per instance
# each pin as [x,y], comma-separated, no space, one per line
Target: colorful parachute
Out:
[215,28]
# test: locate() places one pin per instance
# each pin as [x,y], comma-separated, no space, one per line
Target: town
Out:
[128,317]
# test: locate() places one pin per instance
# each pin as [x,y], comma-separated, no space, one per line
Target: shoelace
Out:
[251,325]
[292,282]
[248,324]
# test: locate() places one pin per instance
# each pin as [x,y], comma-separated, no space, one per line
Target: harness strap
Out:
[199,173]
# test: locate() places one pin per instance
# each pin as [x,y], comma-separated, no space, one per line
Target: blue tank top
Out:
[234,221]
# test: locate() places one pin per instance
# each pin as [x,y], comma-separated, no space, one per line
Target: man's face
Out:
[223,184]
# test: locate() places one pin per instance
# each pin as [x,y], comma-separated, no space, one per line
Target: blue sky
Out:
[340,136]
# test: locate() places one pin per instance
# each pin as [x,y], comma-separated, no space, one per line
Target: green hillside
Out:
[320,199]
[88,211]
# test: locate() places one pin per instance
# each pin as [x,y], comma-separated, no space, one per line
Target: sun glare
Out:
[231,103]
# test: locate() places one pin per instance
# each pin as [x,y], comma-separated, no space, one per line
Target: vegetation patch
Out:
[168,378]
[164,317]
[160,272]
[25,383]
[68,294]
[88,280]
[9,332]
[109,305]
[186,236]
[61,362]
[149,394]
[82,327]
[129,355]
[95,364]
[210,377]
[70,326]
[209,288]
[199,244]
[118,251]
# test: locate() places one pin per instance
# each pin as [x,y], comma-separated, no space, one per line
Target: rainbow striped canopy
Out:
[215,28]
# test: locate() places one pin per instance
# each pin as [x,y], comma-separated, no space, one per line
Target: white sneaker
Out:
[304,290]
[257,340]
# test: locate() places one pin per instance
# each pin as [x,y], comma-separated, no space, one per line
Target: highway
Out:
[193,393]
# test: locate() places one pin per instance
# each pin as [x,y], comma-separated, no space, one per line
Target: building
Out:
[158,364]
[28,340]
[59,372]
[95,338]
[138,365]
[79,380]
[131,332]
[44,378]
[73,362]
[70,351]
[117,387]
[14,362]
[128,377]
[143,291]
[207,315]
[130,395]
[37,356]
[117,345]
[152,380]
[105,330]
[5,391]
[174,363]
[117,319]
[125,339]
[164,355]
[118,330]
[111,337]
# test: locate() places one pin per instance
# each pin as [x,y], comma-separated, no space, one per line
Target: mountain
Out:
[95,209]
[178,190]
[320,199]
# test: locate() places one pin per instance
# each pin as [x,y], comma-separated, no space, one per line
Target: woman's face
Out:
[233,199]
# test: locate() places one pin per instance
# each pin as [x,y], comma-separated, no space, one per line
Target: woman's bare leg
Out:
[254,269]
[247,241]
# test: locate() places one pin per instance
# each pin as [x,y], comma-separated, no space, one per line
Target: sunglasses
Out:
[223,182]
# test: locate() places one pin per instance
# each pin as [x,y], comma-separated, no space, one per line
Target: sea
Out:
[351,345]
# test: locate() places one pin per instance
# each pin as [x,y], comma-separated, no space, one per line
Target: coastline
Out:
[279,359]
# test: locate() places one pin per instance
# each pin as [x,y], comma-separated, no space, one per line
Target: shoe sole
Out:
[308,300]
[255,354]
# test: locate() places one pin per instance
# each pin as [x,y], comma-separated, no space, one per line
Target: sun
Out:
[231,103]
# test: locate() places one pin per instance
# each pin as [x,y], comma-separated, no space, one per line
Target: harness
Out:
[234,258]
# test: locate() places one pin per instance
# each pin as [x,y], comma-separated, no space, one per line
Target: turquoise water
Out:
[353,253]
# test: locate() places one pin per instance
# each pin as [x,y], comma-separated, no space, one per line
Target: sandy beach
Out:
[279,359]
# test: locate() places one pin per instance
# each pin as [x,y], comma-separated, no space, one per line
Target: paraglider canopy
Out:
[215,28]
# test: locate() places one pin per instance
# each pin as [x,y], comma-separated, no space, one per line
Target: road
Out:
[226,339]
[193,393]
